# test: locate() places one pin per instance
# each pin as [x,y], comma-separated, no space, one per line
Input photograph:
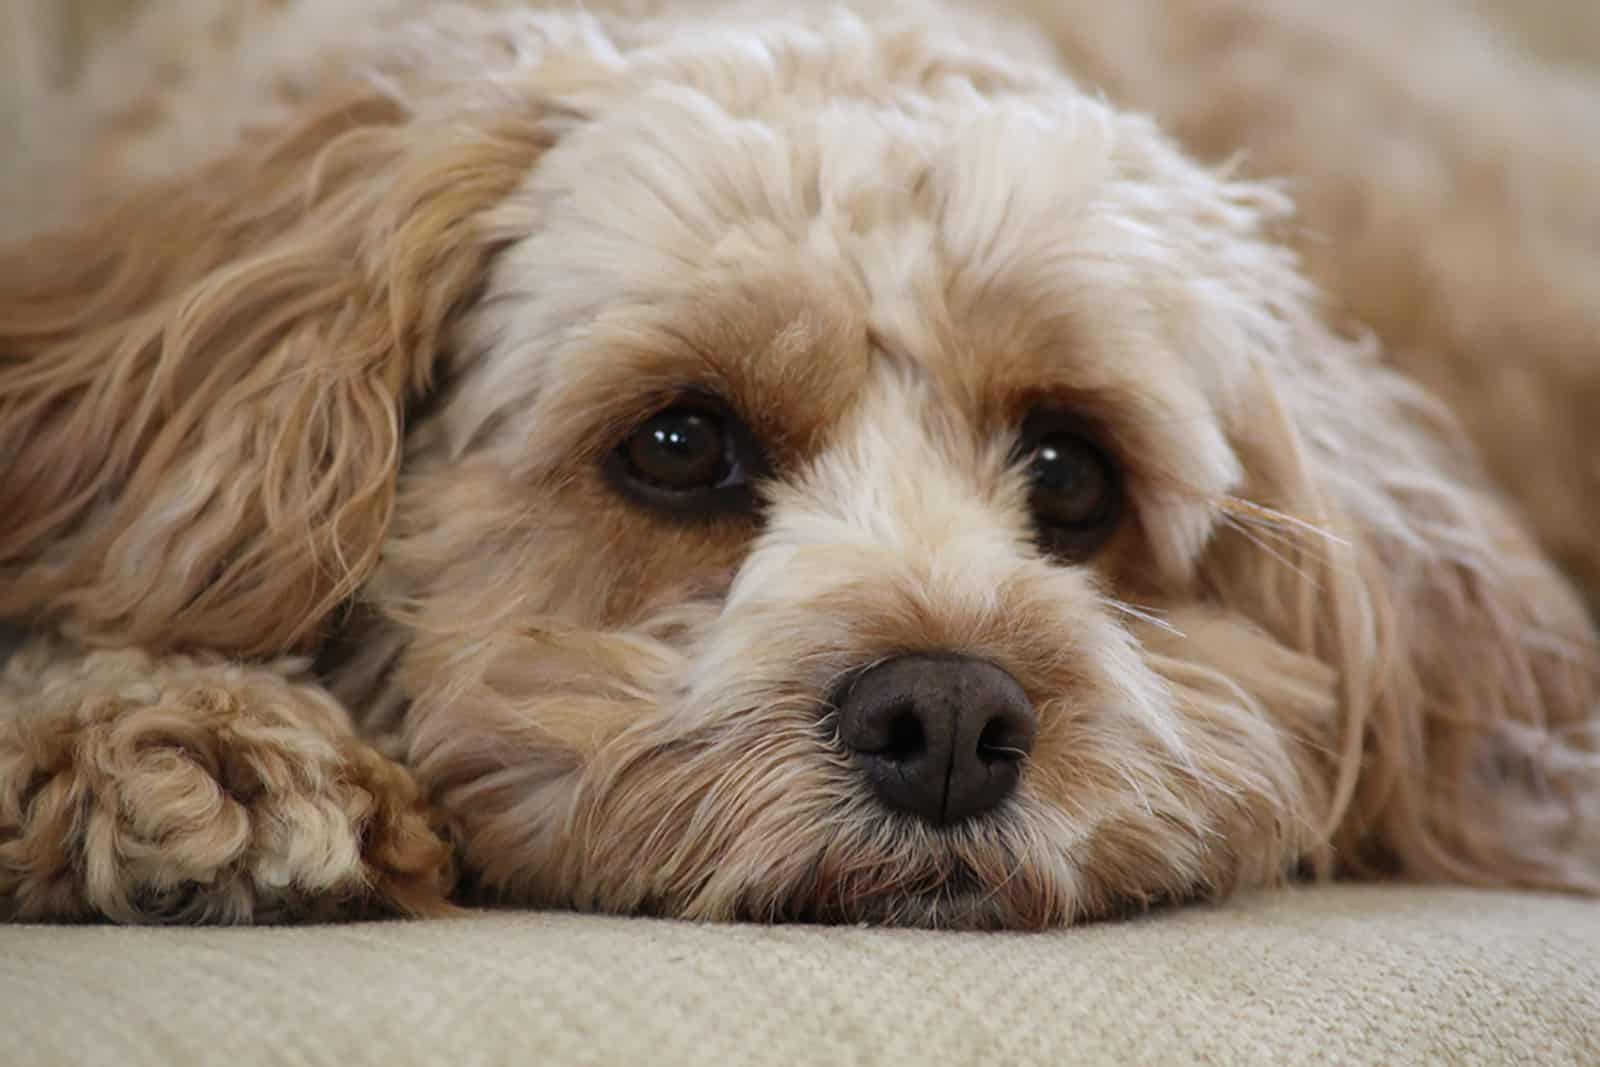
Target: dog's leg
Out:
[179,789]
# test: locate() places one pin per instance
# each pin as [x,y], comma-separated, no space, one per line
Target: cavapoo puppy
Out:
[777,462]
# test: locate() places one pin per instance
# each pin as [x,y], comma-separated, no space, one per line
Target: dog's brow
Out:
[786,365]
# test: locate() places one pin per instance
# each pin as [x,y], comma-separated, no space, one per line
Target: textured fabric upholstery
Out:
[1338,975]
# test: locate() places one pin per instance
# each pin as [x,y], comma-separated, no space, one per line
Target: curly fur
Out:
[337,382]
[187,789]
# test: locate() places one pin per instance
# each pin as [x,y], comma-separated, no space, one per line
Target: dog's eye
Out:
[687,458]
[680,450]
[1076,491]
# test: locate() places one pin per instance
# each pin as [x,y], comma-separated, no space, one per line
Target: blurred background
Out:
[46,38]
[45,41]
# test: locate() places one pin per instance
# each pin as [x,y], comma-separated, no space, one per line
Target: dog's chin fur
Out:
[352,389]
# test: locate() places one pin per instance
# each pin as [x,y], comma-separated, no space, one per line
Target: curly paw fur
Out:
[145,790]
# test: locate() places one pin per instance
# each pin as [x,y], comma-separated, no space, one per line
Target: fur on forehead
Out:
[998,229]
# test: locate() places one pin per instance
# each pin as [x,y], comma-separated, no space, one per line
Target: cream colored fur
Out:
[334,370]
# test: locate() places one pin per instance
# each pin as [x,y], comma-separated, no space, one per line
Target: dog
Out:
[772,463]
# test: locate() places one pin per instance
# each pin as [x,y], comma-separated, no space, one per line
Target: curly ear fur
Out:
[1470,676]
[202,392]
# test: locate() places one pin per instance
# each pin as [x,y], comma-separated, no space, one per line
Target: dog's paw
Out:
[233,799]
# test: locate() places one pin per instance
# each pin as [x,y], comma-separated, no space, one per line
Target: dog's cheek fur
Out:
[1469,675]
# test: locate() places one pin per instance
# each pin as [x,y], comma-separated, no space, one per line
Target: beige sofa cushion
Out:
[1348,975]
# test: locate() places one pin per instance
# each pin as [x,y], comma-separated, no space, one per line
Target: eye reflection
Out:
[1077,491]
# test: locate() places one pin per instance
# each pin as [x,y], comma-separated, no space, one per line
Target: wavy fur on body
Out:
[340,385]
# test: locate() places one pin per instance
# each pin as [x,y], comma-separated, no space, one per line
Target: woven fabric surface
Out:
[1336,975]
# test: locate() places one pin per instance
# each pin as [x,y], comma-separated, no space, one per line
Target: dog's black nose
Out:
[941,737]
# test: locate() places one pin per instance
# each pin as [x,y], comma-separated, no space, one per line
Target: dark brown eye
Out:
[680,450]
[689,459]
[1076,491]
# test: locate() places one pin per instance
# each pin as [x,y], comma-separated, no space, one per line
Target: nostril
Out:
[905,738]
[1002,739]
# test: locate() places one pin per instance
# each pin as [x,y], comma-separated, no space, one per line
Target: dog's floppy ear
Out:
[1470,676]
[202,392]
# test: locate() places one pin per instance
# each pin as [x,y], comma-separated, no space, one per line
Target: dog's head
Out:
[819,468]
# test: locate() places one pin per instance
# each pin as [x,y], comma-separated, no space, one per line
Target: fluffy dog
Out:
[763,464]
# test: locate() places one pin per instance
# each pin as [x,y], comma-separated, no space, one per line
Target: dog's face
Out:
[817,525]
[867,477]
